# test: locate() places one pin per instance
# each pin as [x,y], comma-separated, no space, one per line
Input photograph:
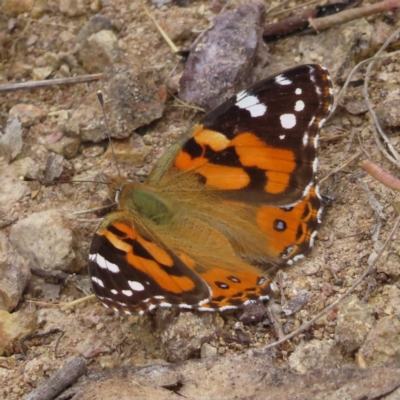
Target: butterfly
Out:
[236,194]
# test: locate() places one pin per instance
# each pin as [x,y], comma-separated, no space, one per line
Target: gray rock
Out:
[93,346]
[14,274]
[72,8]
[208,351]
[41,73]
[96,24]
[28,114]
[186,334]
[388,109]
[11,140]
[15,326]
[133,99]
[312,355]
[67,146]
[225,59]
[99,51]
[12,188]
[382,345]
[354,321]
[46,240]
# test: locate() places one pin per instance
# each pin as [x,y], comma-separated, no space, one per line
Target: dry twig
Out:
[393,156]
[170,43]
[381,175]
[63,378]
[11,87]
[320,24]
[344,165]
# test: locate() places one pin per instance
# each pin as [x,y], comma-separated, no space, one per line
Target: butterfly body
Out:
[238,191]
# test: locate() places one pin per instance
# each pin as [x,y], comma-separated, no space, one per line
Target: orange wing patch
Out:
[223,163]
[129,237]
[291,230]
[137,265]
[232,289]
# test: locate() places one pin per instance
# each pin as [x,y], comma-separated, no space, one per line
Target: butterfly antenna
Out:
[101,101]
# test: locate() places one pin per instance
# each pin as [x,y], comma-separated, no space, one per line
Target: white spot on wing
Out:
[299,106]
[317,192]
[282,137]
[113,291]
[321,123]
[281,80]
[185,306]
[251,104]
[315,165]
[103,263]
[128,293]
[98,281]
[202,302]
[136,286]
[312,238]
[288,121]
[298,91]
[319,215]
[316,141]
[305,139]
[308,187]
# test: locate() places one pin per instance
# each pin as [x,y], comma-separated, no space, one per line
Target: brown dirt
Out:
[341,252]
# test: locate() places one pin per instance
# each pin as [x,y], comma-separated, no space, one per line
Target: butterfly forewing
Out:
[260,145]
[134,272]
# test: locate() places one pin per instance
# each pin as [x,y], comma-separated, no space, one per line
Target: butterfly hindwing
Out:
[291,231]
[133,273]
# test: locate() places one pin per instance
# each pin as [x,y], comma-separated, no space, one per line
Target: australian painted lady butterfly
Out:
[239,191]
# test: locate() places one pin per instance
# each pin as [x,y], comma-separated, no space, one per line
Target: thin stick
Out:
[320,24]
[344,165]
[308,324]
[91,210]
[78,301]
[394,157]
[11,87]
[63,378]
[183,104]
[380,174]
[340,95]
[101,101]
[170,43]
